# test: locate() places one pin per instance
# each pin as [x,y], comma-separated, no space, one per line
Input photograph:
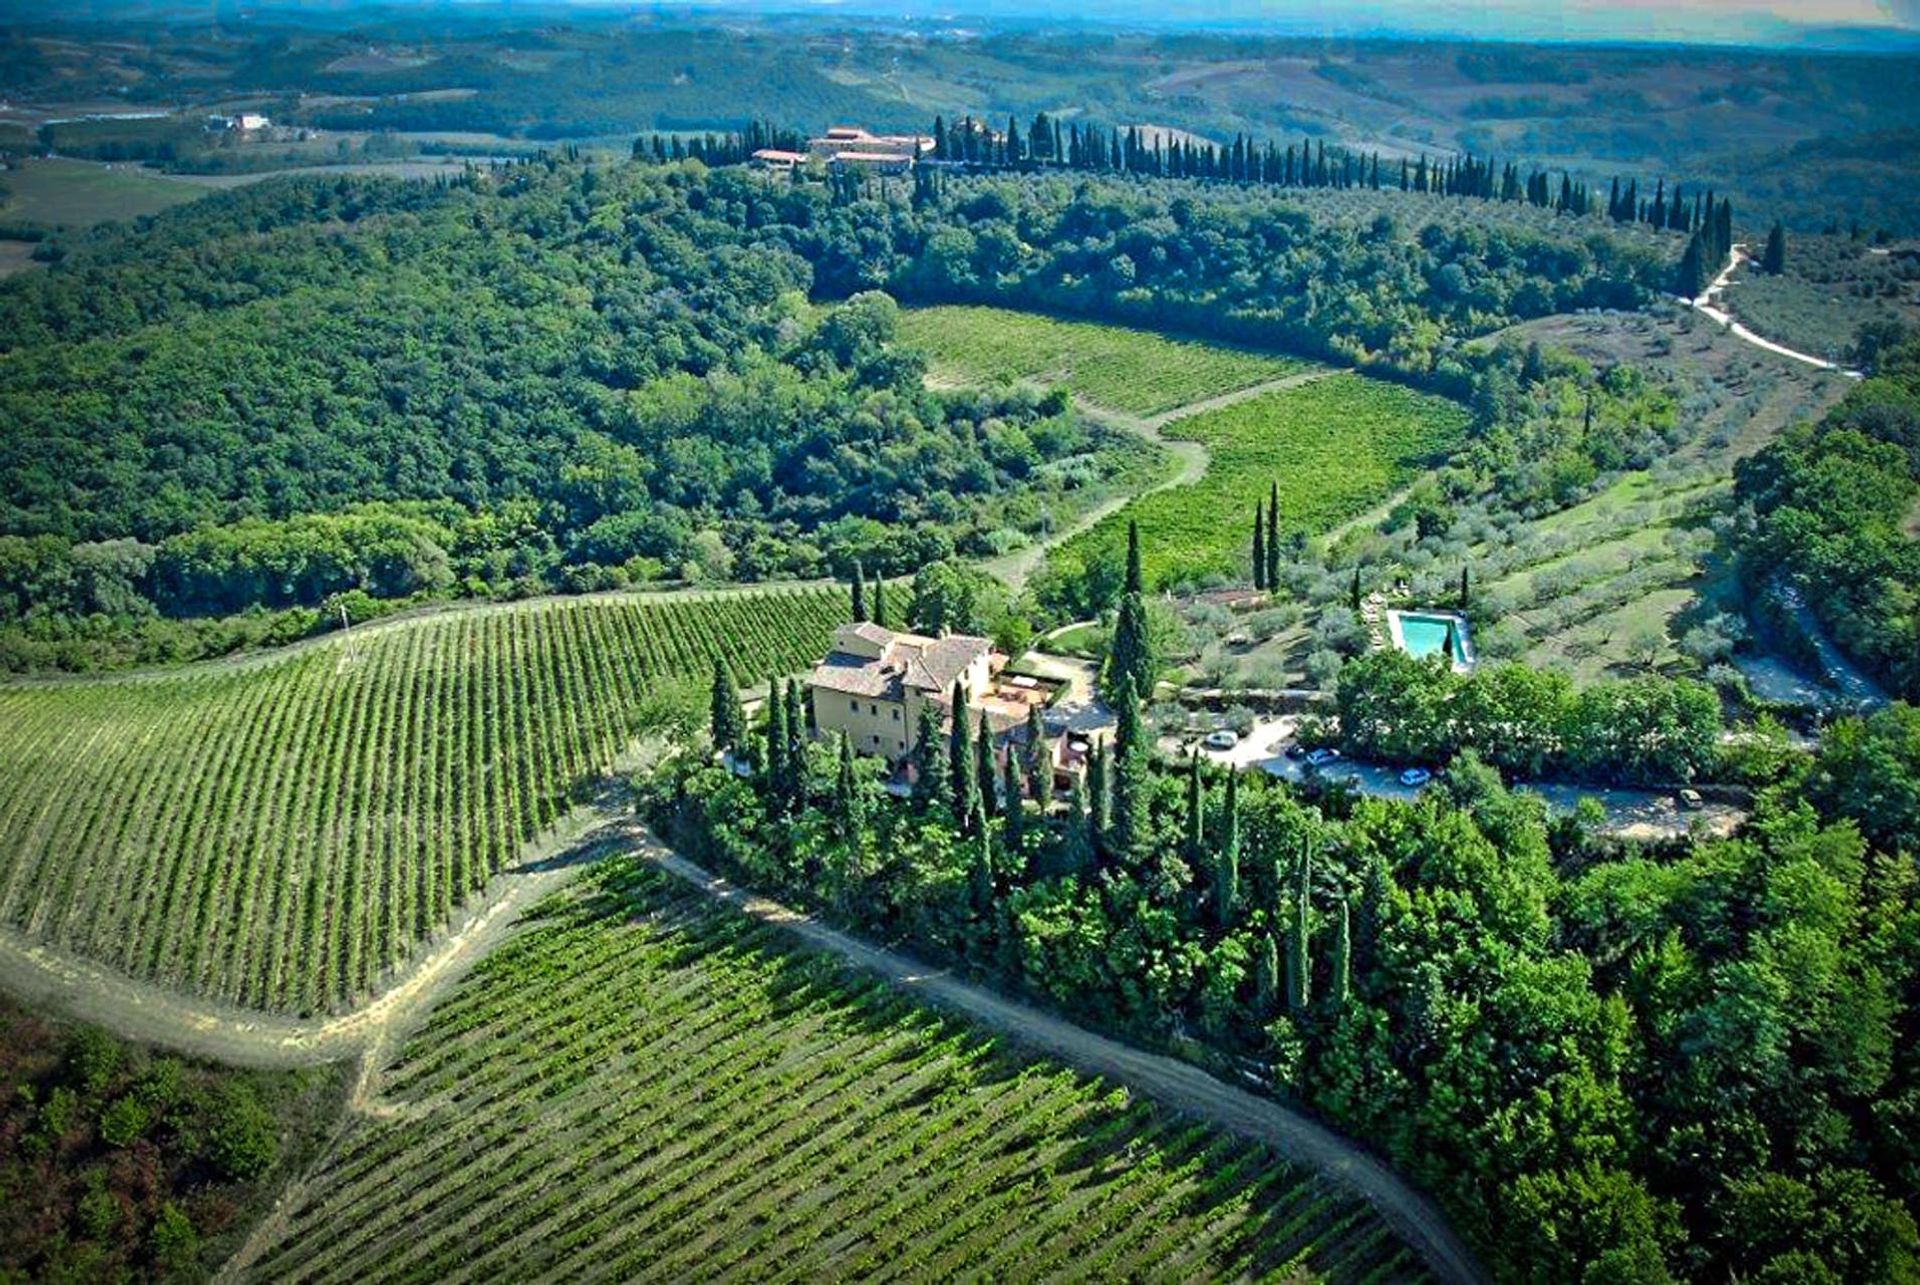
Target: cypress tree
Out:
[1775,258]
[725,719]
[1134,581]
[1039,762]
[1299,985]
[1273,537]
[1013,806]
[960,760]
[1128,825]
[859,592]
[1338,985]
[982,860]
[929,760]
[1353,592]
[848,817]
[1465,587]
[1099,806]
[776,744]
[1690,279]
[1259,548]
[1226,873]
[1072,852]
[1194,828]
[880,601]
[983,767]
[796,745]
[1266,975]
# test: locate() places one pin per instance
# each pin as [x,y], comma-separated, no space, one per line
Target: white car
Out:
[1322,757]
[1224,739]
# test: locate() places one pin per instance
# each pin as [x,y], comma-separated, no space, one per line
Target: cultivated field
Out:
[1135,371]
[279,833]
[648,1085]
[79,194]
[1334,446]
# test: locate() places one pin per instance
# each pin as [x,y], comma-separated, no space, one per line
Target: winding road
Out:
[1183,1087]
[1013,568]
[1704,305]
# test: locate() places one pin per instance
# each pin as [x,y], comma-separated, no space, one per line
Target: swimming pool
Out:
[1421,634]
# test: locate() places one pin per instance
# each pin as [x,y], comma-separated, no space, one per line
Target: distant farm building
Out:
[773,158]
[850,147]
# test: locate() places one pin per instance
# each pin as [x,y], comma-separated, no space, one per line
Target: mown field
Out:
[79,194]
[1334,447]
[1135,371]
[281,833]
[648,1085]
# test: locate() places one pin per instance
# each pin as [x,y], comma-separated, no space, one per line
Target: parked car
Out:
[1296,750]
[1415,776]
[1691,800]
[1322,757]
[1223,739]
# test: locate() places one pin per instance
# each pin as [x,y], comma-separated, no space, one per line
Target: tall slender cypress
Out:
[960,759]
[929,761]
[1259,547]
[1013,806]
[1135,583]
[796,745]
[982,835]
[1194,826]
[776,775]
[1226,871]
[1299,985]
[725,719]
[1273,536]
[983,774]
[1339,983]
[848,816]
[1099,801]
[1039,762]
[880,601]
[1127,826]
[859,592]
[1266,976]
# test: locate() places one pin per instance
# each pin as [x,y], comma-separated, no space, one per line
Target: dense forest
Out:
[1824,514]
[1698,1061]
[565,375]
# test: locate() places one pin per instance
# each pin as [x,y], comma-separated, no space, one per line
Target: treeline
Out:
[614,369]
[1696,1064]
[1530,723]
[1826,510]
[734,148]
[1310,164]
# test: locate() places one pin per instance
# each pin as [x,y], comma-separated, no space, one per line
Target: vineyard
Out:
[1135,371]
[1334,447]
[280,834]
[647,1085]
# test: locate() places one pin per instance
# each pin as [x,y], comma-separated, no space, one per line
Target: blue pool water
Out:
[1426,635]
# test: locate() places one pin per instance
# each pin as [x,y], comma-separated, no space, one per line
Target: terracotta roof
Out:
[905,661]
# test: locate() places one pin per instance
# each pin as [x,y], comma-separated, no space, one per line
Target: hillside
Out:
[283,833]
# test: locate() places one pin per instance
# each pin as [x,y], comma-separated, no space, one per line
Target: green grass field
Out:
[1134,371]
[650,1086]
[1335,447]
[280,833]
[79,194]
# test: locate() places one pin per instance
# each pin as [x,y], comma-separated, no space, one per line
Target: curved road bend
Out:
[1411,1215]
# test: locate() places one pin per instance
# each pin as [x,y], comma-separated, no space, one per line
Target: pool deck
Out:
[1462,632]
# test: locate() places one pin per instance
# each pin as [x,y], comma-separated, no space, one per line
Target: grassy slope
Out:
[1135,371]
[1334,447]
[77,194]
[280,833]
[648,1085]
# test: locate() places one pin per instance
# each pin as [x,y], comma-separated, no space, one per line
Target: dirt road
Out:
[153,1014]
[1014,568]
[1705,306]
[1412,1216]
